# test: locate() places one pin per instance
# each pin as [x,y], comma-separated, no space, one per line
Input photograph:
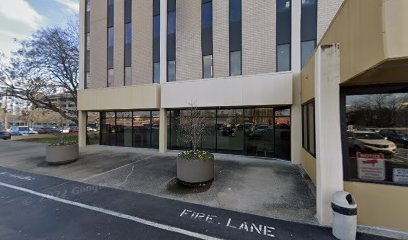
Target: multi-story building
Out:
[143,63]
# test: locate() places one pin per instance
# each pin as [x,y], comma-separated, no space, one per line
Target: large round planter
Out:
[195,171]
[62,154]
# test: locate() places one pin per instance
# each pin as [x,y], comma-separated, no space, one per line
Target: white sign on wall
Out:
[371,166]
[400,175]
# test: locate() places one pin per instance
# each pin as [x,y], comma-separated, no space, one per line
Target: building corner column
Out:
[163,131]
[82,128]
[163,74]
[296,109]
[329,156]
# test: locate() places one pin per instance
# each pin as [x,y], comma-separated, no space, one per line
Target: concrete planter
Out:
[195,171]
[62,154]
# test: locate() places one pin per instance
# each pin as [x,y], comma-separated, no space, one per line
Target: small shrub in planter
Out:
[194,166]
[63,151]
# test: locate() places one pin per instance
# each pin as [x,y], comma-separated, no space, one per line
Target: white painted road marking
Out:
[112,213]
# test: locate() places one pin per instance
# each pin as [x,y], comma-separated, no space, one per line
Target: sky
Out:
[20,18]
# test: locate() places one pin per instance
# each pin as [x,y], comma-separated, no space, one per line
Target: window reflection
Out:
[377,137]
[92,128]
[255,131]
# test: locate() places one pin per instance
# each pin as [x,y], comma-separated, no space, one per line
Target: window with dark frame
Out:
[171,40]
[87,43]
[110,36]
[235,37]
[128,43]
[308,29]
[283,35]
[207,38]
[374,122]
[156,41]
[308,127]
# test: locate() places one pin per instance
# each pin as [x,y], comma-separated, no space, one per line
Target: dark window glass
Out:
[307,49]
[308,128]
[128,11]
[156,26]
[108,128]
[128,44]
[110,13]
[235,63]
[156,7]
[171,23]
[375,134]
[155,129]
[88,5]
[156,72]
[283,35]
[171,71]
[208,66]
[142,129]
[92,128]
[257,132]
[124,129]
[235,10]
[110,47]
[206,15]
[309,21]
[283,5]
[235,26]
[283,58]
[171,47]
[171,35]
[206,28]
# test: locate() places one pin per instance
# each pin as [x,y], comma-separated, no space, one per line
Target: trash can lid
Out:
[344,199]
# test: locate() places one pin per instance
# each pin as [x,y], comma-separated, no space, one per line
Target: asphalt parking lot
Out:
[34,206]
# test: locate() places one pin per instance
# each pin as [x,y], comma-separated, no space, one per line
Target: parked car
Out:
[73,130]
[21,130]
[91,129]
[47,130]
[4,135]
[261,130]
[398,138]
[369,141]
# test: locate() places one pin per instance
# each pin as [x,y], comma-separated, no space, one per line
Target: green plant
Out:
[197,154]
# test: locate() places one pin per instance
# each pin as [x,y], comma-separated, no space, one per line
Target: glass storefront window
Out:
[92,128]
[108,130]
[254,131]
[155,128]
[124,129]
[141,129]
[375,134]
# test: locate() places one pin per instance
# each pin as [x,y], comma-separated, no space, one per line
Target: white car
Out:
[369,141]
[21,131]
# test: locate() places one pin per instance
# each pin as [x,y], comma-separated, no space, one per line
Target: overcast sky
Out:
[20,18]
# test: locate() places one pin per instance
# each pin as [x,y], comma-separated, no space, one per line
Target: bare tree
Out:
[192,127]
[44,67]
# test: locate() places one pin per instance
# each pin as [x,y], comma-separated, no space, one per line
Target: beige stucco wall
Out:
[99,44]
[255,90]
[220,38]
[119,43]
[188,40]
[395,28]
[142,41]
[258,37]
[309,164]
[380,205]
[142,96]
[308,80]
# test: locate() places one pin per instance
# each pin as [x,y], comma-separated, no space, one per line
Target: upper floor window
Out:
[235,36]
[308,29]
[207,37]
[283,35]
[156,41]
